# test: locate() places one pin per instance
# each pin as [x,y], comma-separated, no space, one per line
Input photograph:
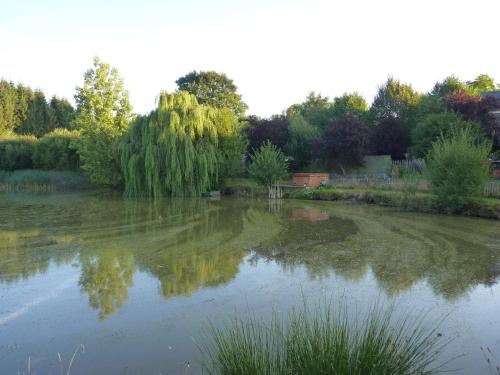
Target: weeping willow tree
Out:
[176,149]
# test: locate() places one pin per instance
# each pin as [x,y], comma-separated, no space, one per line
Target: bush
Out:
[16,151]
[54,151]
[457,168]
[323,342]
[433,126]
[99,154]
[268,165]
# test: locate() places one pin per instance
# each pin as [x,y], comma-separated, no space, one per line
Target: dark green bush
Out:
[458,169]
[16,151]
[54,151]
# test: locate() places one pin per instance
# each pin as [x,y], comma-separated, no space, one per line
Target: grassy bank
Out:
[242,187]
[36,180]
[406,200]
[323,341]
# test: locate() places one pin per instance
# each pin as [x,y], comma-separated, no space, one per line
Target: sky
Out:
[276,51]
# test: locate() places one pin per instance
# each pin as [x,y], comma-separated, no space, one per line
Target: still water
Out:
[135,282]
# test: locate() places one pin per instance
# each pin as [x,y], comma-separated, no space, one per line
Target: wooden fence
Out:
[409,166]
[492,189]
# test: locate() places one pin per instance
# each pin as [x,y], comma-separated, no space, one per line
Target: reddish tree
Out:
[477,108]
[274,130]
[345,141]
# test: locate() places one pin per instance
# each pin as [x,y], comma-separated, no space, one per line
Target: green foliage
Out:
[63,112]
[482,83]
[448,86]
[16,151]
[316,110]
[396,100]
[325,341]
[232,151]
[39,119]
[54,150]
[24,111]
[300,140]
[429,104]
[214,89]
[102,115]
[457,168]
[268,165]
[349,104]
[8,107]
[175,149]
[435,125]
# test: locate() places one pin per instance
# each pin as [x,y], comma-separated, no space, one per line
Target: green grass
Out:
[324,341]
[36,180]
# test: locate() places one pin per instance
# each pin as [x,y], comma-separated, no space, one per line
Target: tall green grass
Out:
[35,180]
[325,341]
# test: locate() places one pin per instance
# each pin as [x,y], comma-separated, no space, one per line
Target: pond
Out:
[136,282]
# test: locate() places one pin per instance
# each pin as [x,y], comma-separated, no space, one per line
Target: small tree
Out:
[457,169]
[268,165]
[102,116]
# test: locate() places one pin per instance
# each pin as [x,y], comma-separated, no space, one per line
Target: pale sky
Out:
[276,51]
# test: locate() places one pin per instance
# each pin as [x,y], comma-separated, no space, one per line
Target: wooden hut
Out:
[310,179]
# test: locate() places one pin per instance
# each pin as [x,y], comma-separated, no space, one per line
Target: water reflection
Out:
[106,277]
[190,244]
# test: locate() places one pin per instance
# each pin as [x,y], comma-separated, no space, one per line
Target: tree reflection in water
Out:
[189,244]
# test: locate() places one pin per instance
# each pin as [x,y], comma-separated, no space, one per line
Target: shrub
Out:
[433,126]
[54,151]
[457,168]
[268,165]
[322,342]
[16,151]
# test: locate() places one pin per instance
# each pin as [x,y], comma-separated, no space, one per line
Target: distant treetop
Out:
[214,89]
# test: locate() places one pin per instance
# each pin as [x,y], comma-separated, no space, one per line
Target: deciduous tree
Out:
[102,115]
[214,89]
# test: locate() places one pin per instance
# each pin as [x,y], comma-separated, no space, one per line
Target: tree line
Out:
[199,134]
[27,112]
[400,122]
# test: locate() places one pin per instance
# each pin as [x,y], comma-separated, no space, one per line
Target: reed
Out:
[324,341]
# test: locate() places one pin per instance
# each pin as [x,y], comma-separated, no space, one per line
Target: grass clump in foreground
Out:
[323,342]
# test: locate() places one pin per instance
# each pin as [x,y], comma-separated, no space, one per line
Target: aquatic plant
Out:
[175,149]
[324,341]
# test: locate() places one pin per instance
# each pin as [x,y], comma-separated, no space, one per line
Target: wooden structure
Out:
[495,169]
[310,179]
